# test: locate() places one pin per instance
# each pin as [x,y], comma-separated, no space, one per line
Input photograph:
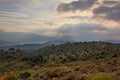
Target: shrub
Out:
[102,76]
[51,74]
[11,49]
[24,75]
[71,76]
[9,77]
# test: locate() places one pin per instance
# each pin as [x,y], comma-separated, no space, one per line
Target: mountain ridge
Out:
[28,38]
[33,46]
[113,41]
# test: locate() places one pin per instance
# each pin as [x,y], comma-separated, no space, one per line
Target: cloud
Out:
[114,33]
[110,2]
[88,32]
[12,14]
[81,27]
[84,32]
[76,5]
[8,4]
[107,9]
[108,12]
[76,29]
[28,4]
[84,19]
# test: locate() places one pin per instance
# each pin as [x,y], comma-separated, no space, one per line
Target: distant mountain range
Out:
[33,46]
[20,38]
[6,43]
[113,41]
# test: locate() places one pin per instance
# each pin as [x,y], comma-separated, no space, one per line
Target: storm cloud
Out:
[110,2]
[76,5]
[109,10]
[109,13]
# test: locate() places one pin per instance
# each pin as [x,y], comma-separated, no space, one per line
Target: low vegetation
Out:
[69,61]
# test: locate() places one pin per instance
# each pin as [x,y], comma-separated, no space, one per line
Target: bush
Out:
[102,76]
[51,74]
[9,77]
[34,59]
[24,75]
[72,76]
[11,49]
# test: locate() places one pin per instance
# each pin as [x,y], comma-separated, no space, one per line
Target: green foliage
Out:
[33,60]
[78,51]
[24,75]
[10,77]
[11,49]
[102,76]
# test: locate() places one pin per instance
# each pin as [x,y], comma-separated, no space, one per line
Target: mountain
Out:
[29,38]
[6,43]
[22,38]
[113,41]
[33,46]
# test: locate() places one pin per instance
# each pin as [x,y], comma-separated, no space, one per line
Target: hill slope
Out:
[69,61]
[32,46]
[29,38]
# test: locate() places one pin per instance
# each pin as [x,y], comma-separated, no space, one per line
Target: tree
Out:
[11,49]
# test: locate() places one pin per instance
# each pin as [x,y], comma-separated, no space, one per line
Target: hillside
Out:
[69,61]
[33,46]
[29,38]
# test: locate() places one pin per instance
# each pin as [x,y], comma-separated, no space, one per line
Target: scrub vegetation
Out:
[69,61]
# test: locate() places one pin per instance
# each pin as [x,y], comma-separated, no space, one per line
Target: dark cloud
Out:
[107,12]
[82,27]
[110,2]
[76,5]
[75,17]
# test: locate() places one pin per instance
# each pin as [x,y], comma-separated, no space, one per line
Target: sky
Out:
[83,20]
